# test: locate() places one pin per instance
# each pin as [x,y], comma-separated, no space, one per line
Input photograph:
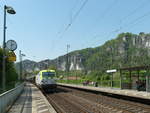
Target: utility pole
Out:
[67,63]
[21,65]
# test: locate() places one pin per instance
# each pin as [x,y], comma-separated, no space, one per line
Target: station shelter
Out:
[136,78]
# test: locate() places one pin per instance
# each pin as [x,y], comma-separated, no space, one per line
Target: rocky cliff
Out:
[126,50]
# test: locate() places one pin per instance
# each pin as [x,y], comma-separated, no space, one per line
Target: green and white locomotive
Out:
[46,79]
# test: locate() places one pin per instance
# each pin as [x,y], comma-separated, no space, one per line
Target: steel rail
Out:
[79,105]
[53,103]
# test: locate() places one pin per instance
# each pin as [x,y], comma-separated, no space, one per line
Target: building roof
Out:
[136,68]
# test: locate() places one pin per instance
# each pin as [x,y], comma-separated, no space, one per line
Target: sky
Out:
[40,27]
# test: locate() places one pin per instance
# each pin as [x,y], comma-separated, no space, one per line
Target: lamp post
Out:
[9,10]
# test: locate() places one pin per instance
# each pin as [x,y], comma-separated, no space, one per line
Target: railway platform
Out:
[31,101]
[115,91]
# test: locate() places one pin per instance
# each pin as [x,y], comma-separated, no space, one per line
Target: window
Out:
[48,75]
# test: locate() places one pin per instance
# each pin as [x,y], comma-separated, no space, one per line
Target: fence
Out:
[7,98]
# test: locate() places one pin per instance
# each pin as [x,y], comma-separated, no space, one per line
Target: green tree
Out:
[11,74]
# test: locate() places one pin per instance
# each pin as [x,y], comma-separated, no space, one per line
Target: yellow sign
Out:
[11,56]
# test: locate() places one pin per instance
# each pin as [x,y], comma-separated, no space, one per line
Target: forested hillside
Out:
[125,50]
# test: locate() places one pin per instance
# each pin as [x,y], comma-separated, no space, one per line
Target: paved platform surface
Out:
[131,93]
[31,101]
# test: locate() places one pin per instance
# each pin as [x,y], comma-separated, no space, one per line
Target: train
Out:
[45,79]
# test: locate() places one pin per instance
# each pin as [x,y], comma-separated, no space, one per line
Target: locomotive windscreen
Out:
[48,74]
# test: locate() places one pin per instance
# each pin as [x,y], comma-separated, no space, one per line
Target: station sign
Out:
[11,56]
[111,71]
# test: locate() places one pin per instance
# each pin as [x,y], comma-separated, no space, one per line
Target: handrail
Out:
[7,98]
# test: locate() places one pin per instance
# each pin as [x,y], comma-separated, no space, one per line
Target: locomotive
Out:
[46,79]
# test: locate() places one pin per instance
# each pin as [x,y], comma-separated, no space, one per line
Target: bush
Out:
[11,74]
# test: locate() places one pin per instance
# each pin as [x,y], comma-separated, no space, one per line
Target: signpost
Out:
[11,56]
[111,71]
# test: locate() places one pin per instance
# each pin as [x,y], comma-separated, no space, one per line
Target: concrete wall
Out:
[7,98]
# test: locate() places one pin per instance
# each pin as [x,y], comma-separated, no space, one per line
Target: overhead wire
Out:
[136,23]
[108,35]
[61,29]
[132,13]
[106,11]
[135,20]
[128,25]
[102,16]
[135,10]
[74,18]
[71,12]
[132,22]
[78,12]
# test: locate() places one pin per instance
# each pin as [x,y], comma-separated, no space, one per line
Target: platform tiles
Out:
[32,101]
[125,92]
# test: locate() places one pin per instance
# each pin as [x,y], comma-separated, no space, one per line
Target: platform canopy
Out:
[134,75]
[136,68]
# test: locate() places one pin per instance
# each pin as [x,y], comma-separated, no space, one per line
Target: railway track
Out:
[64,103]
[125,105]
[67,100]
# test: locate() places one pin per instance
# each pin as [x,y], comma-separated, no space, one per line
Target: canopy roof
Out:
[135,68]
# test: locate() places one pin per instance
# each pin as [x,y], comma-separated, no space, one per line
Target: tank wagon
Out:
[46,79]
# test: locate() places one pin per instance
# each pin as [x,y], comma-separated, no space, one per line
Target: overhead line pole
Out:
[20,74]
[20,77]
[67,63]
